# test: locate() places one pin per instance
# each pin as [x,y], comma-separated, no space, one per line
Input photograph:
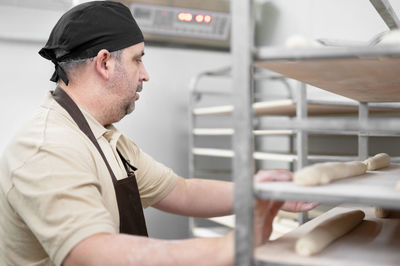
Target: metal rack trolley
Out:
[243,52]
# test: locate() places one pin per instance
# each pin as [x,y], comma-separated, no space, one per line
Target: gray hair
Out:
[70,66]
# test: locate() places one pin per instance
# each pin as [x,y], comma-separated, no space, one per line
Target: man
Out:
[73,187]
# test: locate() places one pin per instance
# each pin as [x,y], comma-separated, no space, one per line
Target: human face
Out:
[127,81]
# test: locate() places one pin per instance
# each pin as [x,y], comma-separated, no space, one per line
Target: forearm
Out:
[106,249]
[199,198]
[210,197]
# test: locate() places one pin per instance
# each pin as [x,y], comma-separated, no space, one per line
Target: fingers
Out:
[296,206]
[273,175]
[265,211]
[268,224]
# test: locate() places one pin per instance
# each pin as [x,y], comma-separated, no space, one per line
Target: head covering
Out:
[86,29]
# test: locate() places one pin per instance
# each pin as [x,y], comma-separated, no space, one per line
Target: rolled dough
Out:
[324,173]
[381,212]
[391,37]
[328,231]
[381,160]
[386,213]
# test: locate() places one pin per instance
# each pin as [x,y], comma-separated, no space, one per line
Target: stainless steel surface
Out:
[362,246]
[265,156]
[369,191]
[374,126]
[302,137]
[279,53]
[375,188]
[243,142]
[385,10]
[211,5]
[362,137]
[195,96]
[161,26]
[266,263]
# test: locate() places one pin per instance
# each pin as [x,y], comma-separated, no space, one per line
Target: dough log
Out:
[386,213]
[328,231]
[324,173]
[381,212]
[381,160]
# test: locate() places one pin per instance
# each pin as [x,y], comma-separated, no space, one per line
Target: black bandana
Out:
[86,29]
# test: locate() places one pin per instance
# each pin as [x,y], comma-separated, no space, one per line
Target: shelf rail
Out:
[385,10]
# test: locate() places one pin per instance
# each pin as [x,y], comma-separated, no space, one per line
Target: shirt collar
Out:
[109,132]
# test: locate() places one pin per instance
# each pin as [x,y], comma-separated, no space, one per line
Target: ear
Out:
[103,63]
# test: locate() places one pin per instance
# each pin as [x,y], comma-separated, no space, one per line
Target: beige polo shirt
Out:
[56,189]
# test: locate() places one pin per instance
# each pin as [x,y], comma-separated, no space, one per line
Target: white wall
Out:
[160,122]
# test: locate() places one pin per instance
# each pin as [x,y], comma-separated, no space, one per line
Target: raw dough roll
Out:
[386,213]
[391,37]
[381,160]
[328,231]
[381,212]
[324,173]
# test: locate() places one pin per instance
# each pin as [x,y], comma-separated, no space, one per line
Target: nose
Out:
[144,76]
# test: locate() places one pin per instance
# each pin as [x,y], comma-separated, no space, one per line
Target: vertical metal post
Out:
[302,136]
[385,10]
[242,41]
[362,135]
[192,118]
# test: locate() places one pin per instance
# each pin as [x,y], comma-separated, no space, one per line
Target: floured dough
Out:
[298,41]
[381,212]
[386,213]
[381,160]
[328,231]
[324,173]
[389,38]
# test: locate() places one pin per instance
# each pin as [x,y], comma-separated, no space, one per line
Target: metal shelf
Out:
[374,242]
[375,188]
[365,74]
[224,153]
[230,132]
[287,107]
[281,226]
[228,221]
[209,231]
[291,132]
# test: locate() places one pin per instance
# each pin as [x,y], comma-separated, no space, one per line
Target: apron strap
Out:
[69,105]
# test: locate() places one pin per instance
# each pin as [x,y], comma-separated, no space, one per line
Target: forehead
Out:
[134,50]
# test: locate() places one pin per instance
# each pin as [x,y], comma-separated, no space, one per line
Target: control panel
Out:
[175,21]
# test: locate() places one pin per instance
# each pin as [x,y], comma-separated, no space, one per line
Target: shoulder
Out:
[128,146]
[47,131]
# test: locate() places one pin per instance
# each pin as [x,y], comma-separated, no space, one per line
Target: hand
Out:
[298,206]
[282,176]
[273,175]
[264,214]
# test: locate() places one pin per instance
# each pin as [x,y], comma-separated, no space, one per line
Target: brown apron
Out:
[131,217]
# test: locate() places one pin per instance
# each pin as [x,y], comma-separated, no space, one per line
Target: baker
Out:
[73,188]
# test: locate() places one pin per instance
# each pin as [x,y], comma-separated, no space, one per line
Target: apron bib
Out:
[131,217]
